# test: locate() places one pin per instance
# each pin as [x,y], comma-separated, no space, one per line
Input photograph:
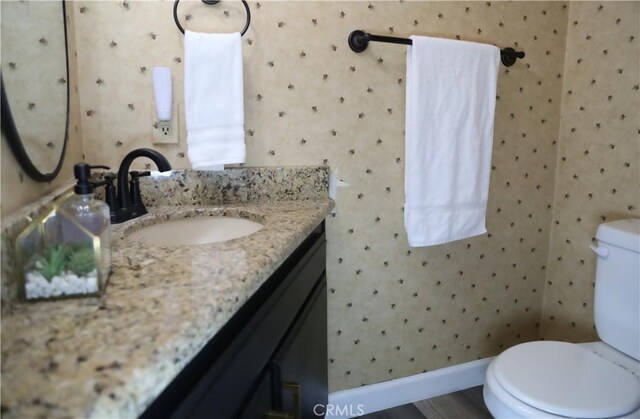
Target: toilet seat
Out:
[564,380]
[503,405]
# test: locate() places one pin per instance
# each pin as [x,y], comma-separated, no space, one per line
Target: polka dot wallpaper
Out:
[393,310]
[17,188]
[598,176]
[36,94]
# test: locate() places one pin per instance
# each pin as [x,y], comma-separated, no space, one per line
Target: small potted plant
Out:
[59,257]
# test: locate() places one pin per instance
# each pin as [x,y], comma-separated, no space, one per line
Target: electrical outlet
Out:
[165,128]
[165,132]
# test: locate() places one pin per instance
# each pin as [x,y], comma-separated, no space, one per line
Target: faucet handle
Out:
[109,192]
[134,187]
[108,179]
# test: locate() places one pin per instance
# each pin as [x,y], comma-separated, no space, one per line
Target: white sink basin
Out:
[195,230]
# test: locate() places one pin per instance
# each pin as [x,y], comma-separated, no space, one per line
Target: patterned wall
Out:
[17,188]
[394,311]
[598,170]
[36,93]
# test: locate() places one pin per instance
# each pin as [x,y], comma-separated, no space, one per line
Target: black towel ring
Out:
[246,7]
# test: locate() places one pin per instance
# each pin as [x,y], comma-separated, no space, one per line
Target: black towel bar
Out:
[246,7]
[359,41]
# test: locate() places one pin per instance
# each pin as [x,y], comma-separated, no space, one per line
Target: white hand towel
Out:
[214,99]
[450,106]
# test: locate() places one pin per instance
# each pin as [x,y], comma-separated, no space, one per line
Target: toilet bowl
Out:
[550,379]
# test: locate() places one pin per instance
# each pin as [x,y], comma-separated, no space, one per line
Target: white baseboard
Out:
[375,397]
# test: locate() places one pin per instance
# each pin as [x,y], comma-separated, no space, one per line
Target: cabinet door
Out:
[300,364]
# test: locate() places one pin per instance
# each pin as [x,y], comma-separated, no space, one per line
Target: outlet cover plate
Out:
[166,136]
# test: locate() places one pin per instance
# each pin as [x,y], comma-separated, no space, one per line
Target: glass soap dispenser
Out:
[67,251]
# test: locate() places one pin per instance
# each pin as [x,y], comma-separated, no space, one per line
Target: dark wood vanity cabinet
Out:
[270,359]
[296,380]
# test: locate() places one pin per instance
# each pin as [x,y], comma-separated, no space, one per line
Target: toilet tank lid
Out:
[621,233]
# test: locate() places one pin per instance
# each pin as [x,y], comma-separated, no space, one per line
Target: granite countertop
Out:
[111,356]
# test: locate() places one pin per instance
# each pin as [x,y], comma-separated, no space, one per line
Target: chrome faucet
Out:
[127,204]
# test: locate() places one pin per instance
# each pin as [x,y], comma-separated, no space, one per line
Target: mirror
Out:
[35,84]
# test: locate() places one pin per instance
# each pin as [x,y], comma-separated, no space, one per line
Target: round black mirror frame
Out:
[13,136]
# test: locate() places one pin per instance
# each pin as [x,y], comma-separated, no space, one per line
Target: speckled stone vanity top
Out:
[111,356]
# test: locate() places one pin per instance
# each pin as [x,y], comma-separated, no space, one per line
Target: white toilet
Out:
[547,379]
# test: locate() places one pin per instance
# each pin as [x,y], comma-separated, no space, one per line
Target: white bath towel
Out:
[214,99]
[450,106]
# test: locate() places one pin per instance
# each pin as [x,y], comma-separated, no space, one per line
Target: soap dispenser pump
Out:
[82,173]
[67,251]
[84,195]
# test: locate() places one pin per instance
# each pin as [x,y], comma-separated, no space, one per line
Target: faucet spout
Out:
[125,210]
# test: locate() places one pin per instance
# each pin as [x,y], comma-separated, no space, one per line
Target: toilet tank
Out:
[617,287]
